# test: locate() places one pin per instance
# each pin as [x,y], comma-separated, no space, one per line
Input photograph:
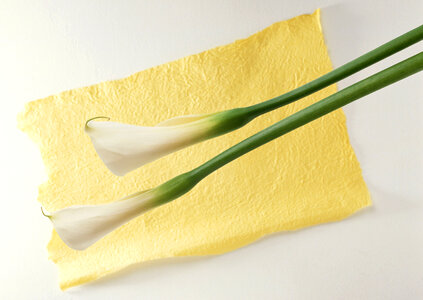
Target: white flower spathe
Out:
[124,147]
[81,226]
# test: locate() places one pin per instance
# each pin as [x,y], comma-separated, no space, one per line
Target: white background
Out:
[51,46]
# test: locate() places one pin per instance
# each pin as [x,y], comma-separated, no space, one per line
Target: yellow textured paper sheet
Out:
[307,177]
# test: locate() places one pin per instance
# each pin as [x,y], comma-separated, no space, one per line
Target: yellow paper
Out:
[307,177]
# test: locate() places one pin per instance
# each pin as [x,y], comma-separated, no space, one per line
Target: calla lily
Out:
[125,147]
[81,226]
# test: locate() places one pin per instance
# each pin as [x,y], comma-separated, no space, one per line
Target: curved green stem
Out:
[340,73]
[181,184]
[360,89]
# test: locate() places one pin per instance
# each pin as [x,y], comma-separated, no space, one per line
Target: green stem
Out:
[340,73]
[360,89]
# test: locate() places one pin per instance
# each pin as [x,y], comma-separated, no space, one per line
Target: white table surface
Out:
[51,46]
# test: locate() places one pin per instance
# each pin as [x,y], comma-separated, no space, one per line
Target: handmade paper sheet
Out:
[307,177]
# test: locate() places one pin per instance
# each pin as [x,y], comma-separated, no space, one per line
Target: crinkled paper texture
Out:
[307,177]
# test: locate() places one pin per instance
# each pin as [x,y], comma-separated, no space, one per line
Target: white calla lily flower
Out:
[124,147]
[81,226]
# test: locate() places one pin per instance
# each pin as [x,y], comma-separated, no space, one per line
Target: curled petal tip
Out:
[95,118]
[45,214]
